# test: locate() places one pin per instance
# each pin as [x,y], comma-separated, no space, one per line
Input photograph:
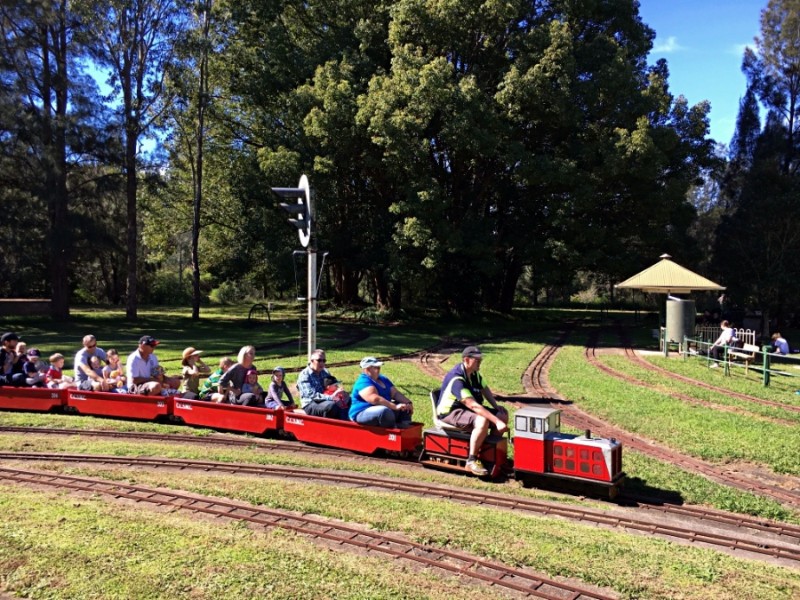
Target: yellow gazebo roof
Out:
[667,277]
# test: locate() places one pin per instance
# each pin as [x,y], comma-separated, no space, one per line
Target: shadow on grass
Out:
[639,489]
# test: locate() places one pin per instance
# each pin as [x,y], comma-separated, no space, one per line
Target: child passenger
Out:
[114,373]
[251,386]
[209,385]
[193,368]
[55,378]
[34,368]
[277,388]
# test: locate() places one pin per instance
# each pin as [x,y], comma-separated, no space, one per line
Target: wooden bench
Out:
[747,353]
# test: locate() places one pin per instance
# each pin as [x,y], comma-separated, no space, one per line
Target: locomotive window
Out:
[597,470]
[546,424]
[536,425]
[558,450]
[558,463]
[584,454]
[597,455]
[571,465]
[558,420]
[521,423]
[570,452]
[584,467]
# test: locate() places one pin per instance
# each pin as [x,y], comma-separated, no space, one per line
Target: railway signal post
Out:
[303,210]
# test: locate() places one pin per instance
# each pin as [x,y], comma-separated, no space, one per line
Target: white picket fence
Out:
[708,334]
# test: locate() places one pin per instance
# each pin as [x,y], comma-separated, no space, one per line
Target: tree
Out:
[774,73]
[134,42]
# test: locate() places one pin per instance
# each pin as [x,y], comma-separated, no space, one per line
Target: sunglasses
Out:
[321,360]
[91,347]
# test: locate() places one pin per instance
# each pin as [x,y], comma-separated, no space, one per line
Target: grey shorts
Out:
[463,418]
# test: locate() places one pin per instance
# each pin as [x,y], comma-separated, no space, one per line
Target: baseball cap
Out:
[279,369]
[471,352]
[370,361]
[148,340]
[9,337]
[34,352]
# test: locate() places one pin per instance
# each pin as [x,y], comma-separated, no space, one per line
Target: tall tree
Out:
[134,41]
[774,72]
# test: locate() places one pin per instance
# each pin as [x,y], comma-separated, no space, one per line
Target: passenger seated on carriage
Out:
[11,372]
[208,391]
[277,389]
[35,369]
[55,378]
[143,374]
[461,405]
[192,367]
[311,387]
[232,382]
[85,377]
[376,401]
[114,373]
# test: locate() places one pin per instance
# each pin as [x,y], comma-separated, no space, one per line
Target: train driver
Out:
[461,405]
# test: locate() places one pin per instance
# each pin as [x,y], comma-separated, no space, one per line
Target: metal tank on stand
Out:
[681,316]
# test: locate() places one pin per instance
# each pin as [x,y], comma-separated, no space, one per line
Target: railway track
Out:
[651,448]
[468,567]
[722,531]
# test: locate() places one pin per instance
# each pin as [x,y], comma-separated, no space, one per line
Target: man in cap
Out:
[11,363]
[461,405]
[144,375]
[311,386]
[85,377]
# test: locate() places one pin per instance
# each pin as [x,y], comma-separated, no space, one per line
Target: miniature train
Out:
[543,456]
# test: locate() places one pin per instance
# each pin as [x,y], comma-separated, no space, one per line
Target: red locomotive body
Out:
[35,399]
[542,451]
[123,406]
[351,436]
[247,419]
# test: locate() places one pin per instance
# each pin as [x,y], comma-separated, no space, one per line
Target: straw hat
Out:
[191,352]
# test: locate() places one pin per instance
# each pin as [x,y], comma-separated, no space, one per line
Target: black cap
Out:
[471,352]
[34,352]
[9,337]
[148,340]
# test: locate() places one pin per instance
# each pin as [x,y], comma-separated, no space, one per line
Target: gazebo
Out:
[668,277]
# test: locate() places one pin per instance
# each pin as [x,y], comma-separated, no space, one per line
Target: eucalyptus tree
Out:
[133,41]
[52,136]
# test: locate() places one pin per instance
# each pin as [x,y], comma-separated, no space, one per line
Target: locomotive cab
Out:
[582,463]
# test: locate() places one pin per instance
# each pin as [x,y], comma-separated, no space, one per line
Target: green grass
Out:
[636,566]
[121,549]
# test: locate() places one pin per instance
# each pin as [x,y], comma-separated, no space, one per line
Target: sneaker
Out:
[713,366]
[476,468]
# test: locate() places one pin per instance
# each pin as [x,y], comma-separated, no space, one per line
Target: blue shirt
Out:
[357,403]
[781,345]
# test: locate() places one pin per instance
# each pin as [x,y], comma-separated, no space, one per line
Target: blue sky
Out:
[703,42]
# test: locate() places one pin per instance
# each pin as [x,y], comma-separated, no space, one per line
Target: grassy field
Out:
[56,545]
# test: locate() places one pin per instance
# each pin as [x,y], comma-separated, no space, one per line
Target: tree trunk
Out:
[133,233]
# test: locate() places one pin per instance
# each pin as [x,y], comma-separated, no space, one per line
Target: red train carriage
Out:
[34,399]
[580,463]
[122,406]
[231,417]
[348,435]
[447,447]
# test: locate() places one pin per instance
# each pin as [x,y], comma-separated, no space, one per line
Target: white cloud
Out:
[667,46]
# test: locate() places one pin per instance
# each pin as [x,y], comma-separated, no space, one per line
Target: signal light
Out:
[302,208]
